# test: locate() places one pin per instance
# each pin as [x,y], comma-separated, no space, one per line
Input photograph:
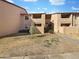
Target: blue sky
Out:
[48,6]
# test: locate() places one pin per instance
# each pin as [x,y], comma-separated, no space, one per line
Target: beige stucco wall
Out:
[39,21]
[56,20]
[61,30]
[77,20]
[71,30]
[66,20]
[43,23]
[10,19]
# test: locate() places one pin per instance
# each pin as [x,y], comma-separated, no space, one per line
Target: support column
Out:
[43,23]
[56,22]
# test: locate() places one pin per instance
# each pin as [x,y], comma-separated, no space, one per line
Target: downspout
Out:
[72,19]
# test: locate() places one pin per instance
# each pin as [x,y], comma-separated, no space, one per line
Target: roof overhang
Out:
[23,14]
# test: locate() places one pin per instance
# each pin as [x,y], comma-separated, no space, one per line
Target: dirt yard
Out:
[37,45]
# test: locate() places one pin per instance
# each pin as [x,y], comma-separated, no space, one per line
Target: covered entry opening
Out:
[49,26]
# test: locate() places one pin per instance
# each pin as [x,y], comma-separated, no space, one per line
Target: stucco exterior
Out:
[11,20]
[14,18]
[60,21]
[67,24]
[38,18]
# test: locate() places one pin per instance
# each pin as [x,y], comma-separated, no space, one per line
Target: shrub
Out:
[50,42]
[32,29]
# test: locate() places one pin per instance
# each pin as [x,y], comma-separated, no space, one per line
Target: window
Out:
[26,17]
[65,15]
[36,15]
[48,16]
[37,24]
[65,24]
[76,16]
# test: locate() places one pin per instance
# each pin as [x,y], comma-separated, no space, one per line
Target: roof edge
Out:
[14,5]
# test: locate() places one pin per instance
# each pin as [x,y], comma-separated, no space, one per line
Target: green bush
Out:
[32,29]
[50,42]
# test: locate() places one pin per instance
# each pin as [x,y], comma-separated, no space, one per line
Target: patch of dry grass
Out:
[34,45]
